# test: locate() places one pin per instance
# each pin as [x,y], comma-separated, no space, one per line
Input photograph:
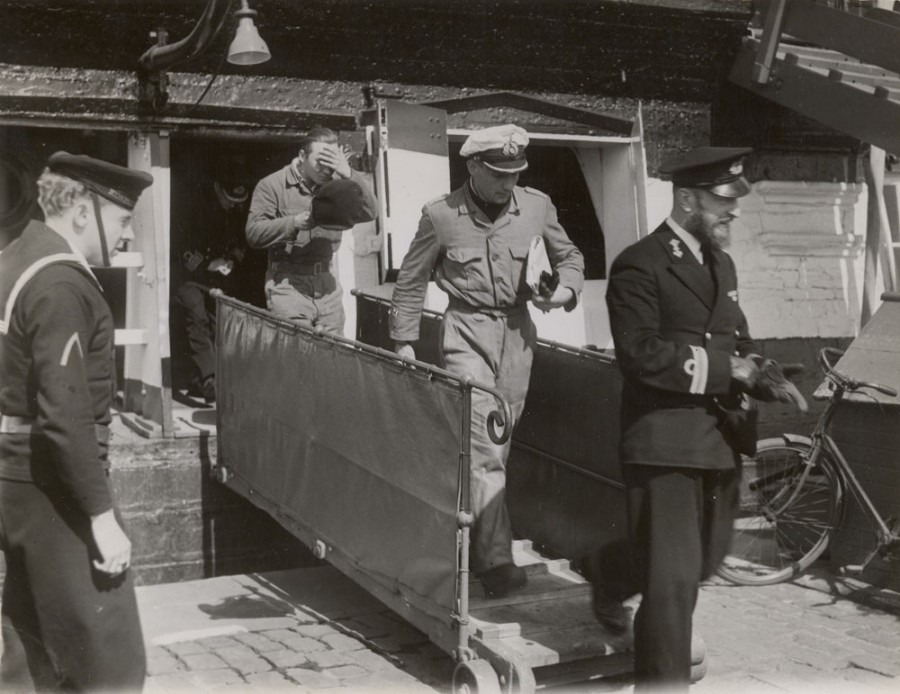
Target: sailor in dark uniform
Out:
[685,351]
[69,614]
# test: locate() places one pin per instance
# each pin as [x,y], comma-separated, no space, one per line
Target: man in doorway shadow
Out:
[212,253]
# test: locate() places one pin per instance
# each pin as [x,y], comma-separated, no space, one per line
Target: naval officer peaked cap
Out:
[720,170]
[118,184]
[501,148]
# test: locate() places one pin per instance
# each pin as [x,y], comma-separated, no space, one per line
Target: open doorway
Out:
[212,181]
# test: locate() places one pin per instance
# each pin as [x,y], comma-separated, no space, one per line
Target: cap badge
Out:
[676,248]
[736,168]
[510,148]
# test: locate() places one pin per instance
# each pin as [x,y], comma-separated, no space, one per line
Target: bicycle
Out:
[793,495]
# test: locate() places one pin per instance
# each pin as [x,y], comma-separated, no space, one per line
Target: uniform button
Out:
[708,336]
[495,257]
[737,333]
[736,353]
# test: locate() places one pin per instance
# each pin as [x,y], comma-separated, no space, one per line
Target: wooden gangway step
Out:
[525,554]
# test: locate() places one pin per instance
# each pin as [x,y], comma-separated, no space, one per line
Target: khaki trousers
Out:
[496,351]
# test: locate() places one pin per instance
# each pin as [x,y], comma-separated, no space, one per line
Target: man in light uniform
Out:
[300,284]
[476,241]
[69,615]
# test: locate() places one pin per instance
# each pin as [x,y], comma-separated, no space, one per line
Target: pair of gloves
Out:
[768,381]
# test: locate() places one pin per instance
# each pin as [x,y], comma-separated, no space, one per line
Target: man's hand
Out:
[745,371]
[334,158]
[222,266]
[304,221]
[113,544]
[773,385]
[560,297]
[405,350]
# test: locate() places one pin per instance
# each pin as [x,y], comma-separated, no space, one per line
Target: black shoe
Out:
[611,613]
[209,389]
[503,579]
[195,388]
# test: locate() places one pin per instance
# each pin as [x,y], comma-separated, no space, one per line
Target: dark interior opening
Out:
[195,165]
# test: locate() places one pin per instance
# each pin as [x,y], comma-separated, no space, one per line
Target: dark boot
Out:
[611,613]
[209,389]
[503,579]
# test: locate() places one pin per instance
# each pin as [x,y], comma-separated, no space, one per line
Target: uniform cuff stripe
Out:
[698,368]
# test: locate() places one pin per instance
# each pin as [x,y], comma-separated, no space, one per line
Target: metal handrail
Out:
[500,417]
[585,352]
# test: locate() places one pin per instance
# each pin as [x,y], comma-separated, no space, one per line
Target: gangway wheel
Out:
[475,677]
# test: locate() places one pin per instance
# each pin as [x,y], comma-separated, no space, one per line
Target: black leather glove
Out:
[773,385]
[548,284]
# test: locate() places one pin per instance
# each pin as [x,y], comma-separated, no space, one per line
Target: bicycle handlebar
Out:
[842,380]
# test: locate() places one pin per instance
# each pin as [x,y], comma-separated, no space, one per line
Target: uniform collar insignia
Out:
[676,248]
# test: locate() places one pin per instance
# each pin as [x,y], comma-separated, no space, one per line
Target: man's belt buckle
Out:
[319,268]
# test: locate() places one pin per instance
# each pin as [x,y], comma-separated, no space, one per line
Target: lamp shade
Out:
[247,48]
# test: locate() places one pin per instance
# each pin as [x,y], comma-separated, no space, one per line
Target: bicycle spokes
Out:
[787,511]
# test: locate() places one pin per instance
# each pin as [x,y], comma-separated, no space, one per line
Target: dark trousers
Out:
[200,327]
[64,624]
[680,523]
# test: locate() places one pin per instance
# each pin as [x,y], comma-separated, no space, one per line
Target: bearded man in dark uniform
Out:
[684,348]
[69,614]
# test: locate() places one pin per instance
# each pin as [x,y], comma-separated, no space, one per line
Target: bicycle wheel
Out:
[778,534]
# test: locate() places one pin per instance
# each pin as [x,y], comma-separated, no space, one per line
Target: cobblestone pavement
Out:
[790,638]
[314,630]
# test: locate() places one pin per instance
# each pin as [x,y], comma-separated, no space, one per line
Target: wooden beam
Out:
[885,16]
[762,67]
[534,105]
[181,118]
[866,39]
[130,336]
[868,116]
[148,385]
[105,99]
[878,251]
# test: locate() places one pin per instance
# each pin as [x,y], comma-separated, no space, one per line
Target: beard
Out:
[712,232]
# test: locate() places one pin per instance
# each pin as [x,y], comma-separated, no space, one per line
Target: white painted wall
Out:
[798,250]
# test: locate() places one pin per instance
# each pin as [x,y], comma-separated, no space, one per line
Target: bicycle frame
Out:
[820,440]
[794,494]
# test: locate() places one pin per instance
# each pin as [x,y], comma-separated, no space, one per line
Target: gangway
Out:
[364,457]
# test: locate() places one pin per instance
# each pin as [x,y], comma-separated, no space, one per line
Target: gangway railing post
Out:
[464,521]
[465,518]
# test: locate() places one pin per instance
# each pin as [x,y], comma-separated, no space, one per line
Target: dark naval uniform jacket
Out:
[676,323]
[57,371]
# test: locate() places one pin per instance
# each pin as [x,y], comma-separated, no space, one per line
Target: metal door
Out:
[412,167]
